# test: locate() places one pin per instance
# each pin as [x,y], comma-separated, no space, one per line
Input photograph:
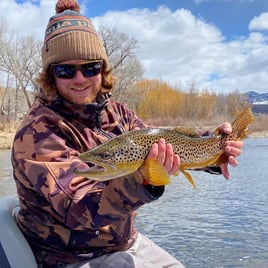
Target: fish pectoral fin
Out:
[188,177]
[154,172]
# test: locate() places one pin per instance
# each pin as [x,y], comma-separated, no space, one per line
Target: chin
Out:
[83,101]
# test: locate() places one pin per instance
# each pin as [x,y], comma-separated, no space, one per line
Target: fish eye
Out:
[106,155]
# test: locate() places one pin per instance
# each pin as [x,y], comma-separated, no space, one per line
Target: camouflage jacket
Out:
[67,218]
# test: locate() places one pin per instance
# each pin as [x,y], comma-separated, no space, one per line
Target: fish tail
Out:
[241,123]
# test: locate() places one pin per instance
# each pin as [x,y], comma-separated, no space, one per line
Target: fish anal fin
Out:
[223,158]
[154,172]
[188,177]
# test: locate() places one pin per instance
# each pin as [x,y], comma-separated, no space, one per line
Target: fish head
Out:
[112,159]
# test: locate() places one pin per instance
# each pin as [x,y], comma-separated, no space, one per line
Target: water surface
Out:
[220,224]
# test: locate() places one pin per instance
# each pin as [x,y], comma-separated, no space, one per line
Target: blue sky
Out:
[230,16]
[220,45]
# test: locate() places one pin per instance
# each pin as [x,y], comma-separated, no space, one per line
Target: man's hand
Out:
[160,163]
[232,149]
[164,154]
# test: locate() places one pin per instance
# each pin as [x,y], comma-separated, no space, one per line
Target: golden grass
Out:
[258,129]
[6,140]
[7,132]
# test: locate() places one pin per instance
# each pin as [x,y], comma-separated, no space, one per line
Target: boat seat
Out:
[15,251]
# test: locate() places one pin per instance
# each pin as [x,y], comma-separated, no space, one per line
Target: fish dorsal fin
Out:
[187,131]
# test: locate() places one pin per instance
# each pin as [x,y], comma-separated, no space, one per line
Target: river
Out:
[223,223]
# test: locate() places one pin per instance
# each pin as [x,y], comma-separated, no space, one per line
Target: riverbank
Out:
[259,134]
[6,138]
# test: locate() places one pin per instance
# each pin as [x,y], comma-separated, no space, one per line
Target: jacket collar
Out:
[90,112]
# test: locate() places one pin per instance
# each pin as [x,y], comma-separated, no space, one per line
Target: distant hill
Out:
[259,101]
[257,98]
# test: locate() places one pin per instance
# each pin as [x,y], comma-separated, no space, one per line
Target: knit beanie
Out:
[70,35]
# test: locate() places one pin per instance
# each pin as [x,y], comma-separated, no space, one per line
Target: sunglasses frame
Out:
[74,67]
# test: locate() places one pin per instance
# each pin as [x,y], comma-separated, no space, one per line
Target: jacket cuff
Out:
[154,191]
[216,170]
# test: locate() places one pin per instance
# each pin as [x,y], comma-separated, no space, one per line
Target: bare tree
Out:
[5,41]
[126,66]
[191,105]
[19,64]
[28,64]
[236,102]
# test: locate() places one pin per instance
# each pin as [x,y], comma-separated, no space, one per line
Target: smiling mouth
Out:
[80,89]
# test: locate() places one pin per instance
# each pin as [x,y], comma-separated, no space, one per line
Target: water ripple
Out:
[221,223]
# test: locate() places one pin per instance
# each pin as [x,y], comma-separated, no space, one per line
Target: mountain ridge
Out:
[259,102]
[257,98]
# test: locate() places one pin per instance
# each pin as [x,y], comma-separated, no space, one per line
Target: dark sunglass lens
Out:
[65,71]
[91,69]
[68,71]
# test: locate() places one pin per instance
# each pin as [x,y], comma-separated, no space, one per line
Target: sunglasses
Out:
[68,71]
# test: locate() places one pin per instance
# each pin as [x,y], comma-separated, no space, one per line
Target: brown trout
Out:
[124,154]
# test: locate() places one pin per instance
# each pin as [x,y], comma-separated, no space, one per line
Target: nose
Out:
[79,77]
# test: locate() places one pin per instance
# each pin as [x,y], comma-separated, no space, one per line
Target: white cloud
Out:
[259,23]
[174,46]
[179,48]
[27,18]
[241,1]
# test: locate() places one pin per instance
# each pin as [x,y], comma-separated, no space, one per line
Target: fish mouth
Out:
[95,168]
[91,168]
